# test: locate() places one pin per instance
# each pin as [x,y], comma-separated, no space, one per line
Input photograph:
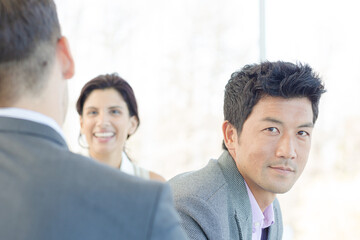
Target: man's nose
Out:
[286,147]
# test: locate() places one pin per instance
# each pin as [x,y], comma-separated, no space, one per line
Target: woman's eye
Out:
[115,111]
[92,113]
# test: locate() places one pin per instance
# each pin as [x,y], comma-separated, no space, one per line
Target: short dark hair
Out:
[109,81]
[29,30]
[276,79]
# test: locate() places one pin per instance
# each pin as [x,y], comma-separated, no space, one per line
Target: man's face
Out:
[273,147]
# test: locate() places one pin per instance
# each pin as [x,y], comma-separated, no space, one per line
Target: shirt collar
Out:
[31,116]
[265,218]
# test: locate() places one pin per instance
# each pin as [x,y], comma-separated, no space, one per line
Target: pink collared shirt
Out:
[260,220]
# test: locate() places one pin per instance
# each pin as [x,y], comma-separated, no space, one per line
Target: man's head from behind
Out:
[29,32]
[33,57]
[270,109]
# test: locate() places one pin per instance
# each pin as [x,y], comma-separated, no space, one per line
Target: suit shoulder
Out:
[89,175]
[203,183]
[201,200]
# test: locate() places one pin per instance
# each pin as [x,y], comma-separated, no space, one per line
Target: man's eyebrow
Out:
[307,125]
[274,120]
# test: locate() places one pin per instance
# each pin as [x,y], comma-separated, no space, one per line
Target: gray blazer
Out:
[213,203]
[47,192]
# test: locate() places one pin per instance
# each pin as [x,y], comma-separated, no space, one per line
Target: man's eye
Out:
[272,130]
[303,133]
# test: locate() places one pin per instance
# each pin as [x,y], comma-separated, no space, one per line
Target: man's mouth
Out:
[283,169]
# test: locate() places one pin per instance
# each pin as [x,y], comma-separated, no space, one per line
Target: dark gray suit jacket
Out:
[47,192]
[213,203]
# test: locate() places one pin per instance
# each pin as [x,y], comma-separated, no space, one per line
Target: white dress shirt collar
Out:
[31,116]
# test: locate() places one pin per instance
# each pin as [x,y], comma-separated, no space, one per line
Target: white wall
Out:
[178,56]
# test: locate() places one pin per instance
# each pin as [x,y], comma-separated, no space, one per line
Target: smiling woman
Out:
[108,117]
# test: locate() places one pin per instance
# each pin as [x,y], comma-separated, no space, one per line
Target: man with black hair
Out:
[269,113]
[47,192]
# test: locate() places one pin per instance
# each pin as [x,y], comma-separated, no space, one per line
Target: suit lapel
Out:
[239,199]
[274,231]
[241,221]
[240,203]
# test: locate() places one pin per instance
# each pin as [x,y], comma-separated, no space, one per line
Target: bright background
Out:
[179,54]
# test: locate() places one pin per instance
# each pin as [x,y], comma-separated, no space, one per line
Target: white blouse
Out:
[128,167]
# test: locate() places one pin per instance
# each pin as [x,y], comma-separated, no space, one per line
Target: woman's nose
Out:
[103,120]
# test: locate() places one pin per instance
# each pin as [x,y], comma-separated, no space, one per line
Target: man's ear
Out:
[230,136]
[65,58]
